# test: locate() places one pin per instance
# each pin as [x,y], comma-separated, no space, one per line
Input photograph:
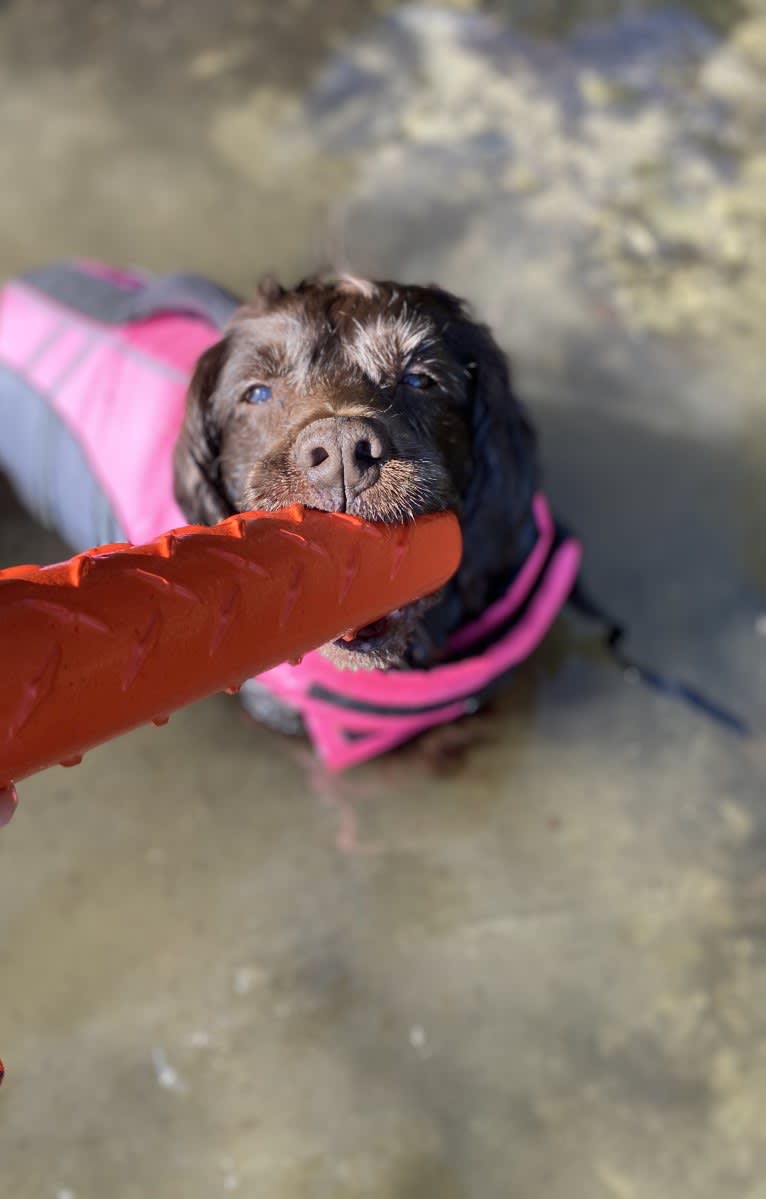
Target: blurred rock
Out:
[627,156]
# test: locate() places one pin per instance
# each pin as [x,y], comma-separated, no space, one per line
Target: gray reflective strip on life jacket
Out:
[114,303]
[191,295]
[48,468]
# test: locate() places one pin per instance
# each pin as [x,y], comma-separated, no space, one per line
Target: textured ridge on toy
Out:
[122,635]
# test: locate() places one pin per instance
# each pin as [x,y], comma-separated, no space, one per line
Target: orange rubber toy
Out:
[122,635]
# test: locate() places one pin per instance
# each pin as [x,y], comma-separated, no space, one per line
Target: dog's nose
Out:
[341,457]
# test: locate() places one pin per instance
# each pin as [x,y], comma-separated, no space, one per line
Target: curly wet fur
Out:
[339,348]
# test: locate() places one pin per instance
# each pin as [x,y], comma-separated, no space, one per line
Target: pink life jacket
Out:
[94,366]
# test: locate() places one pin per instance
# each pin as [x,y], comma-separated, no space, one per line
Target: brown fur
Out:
[335,351]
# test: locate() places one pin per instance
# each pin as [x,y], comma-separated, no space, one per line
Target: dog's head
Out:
[383,400]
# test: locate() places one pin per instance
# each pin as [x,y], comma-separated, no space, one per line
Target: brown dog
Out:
[378,399]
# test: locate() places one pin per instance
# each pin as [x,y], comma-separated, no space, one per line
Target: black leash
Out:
[664,684]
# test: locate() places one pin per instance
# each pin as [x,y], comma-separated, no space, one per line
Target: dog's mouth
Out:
[383,644]
[386,643]
[375,636]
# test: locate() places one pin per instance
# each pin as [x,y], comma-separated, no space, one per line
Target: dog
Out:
[376,398]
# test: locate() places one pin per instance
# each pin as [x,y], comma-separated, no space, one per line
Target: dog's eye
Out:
[417,380]
[258,394]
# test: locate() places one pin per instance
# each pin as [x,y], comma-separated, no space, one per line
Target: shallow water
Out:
[543,970]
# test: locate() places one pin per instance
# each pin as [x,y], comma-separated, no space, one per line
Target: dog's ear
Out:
[504,470]
[197,478]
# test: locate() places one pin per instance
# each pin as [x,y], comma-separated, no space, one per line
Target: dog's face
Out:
[381,400]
